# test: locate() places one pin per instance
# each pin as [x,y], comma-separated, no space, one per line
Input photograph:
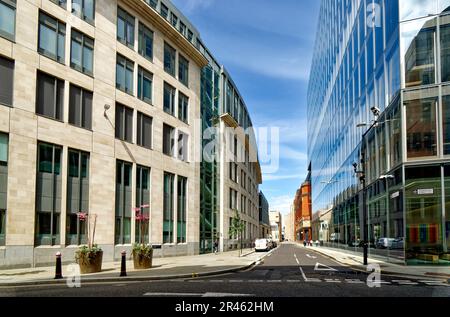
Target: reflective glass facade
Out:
[392,55]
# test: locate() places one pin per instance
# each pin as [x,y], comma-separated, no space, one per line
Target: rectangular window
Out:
[125,28]
[124,74]
[421,127]
[8,19]
[164,11]
[152,3]
[233,199]
[77,197]
[169,59]
[48,194]
[142,204]
[173,19]
[123,202]
[145,42]
[82,53]
[84,9]
[144,130]
[124,123]
[182,28]
[7,81]
[3,185]
[145,82]
[52,37]
[446,124]
[190,36]
[61,3]
[80,107]
[50,96]
[169,182]
[169,99]
[183,146]
[445,52]
[181,209]
[168,140]
[183,107]
[183,70]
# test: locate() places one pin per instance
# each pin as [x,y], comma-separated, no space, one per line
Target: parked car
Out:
[263,245]
[384,243]
[398,244]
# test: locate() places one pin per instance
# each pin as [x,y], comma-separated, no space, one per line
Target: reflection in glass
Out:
[421,127]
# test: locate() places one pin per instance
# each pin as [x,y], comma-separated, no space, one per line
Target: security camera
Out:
[376,111]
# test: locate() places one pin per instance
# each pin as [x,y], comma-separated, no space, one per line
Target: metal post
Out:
[123,266]
[58,269]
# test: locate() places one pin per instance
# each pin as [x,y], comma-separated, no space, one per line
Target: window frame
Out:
[140,131]
[126,18]
[82,14]
[86,42]
[82,107]
[12,4]
[144,74]
[125,63]
[142,32]
[183,70]
[173,92]
[59,30]
[169,50]
[121,130]
[183,106]
[57,98]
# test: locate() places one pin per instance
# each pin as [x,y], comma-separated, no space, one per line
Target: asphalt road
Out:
[288,271]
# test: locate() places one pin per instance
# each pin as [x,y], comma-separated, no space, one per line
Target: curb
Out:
[118,279]
[384,271]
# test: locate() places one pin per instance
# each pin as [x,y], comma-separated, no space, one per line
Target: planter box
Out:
[141,262]
[91,265]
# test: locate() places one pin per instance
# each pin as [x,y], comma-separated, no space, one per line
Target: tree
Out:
[237,228]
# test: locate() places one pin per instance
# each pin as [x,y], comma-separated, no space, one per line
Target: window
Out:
[82,53]
[124,123]
[61,3]
[169,182]
[50,96]
[445,52]
[124,74]
[190,36]
[7,81]
[164,11]
[80,107]
[84,9]
[144,131]
[52,37]
[169,59]
[183,107]
[8,19]
[418,52]
[48,194]
[145,81]
[169,99]
[168,140]
[143,204]
[233,171]
[233,199]
[446,123]
[3,185]
[125,28]
[152,3]
[77,196]
[145,45]
[181,208]
[182,28]
[421,127]
[123,203]
[183,70]
[183,146]
[173,19]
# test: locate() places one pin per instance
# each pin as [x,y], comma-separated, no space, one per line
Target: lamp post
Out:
[362,177]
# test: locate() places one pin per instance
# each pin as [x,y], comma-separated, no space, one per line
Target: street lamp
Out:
[362,177]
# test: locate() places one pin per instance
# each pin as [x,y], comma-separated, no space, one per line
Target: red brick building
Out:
[303,211]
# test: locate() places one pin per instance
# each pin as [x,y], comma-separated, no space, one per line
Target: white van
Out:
[262,245]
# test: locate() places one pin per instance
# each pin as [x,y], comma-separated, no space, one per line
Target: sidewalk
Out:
[163,268]
[356,261]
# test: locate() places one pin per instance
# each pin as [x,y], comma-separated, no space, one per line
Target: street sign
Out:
[426,191]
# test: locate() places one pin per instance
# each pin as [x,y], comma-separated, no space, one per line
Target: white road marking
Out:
[216,281]
[350,281]
[311,256]
[226,295]
[293,281]
[324,268]
[174,294]
[274,281]
[328,280]
[404,282]
[297,261]
[256,281]
[235,281]
[435,283]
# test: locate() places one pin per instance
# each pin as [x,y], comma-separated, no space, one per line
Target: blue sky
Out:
[266,46]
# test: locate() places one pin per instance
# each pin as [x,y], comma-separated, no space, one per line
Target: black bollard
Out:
[58,270]
[123,266]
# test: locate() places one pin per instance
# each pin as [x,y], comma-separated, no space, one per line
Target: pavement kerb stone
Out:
[88,279]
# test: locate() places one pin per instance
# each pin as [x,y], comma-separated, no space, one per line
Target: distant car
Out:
[384,243]
[263,245]
[398,244]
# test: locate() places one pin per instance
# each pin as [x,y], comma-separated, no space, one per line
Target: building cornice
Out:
[168,30]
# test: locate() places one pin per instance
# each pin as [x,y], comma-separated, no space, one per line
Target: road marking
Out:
[434,283]
[297,261]
[293,281]
[274,281]
[351,281]
[174,294]
[328,280]
[404,282]
[324,268]
[313,280]
[256,281]
[235,281]
[311,256]
[216,281]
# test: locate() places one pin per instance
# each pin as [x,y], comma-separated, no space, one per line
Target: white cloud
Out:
[281,203]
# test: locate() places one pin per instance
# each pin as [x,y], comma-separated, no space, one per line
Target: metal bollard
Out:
[58,269]
[123,266]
